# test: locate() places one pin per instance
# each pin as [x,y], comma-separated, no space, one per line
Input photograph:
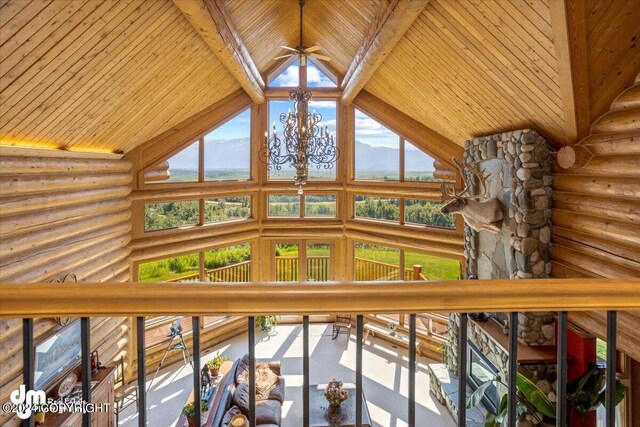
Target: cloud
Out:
[289,78]
[322,104]
[316,78]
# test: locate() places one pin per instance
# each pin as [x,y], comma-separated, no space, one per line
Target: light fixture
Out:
[304,140]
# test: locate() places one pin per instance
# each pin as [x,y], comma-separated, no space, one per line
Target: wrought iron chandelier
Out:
[304,141]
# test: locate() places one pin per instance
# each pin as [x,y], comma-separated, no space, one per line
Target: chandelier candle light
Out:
[304,141]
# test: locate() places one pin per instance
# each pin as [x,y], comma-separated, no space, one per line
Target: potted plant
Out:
[335,394]
[267,323]
[392,328]
[189,411]
[215,363]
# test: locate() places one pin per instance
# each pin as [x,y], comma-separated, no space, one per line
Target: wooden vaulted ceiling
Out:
[107,74]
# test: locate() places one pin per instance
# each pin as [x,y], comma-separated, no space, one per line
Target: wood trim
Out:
[393,18]
[425,138]
[211,20]
[196,299]
[568,23]
[15,151]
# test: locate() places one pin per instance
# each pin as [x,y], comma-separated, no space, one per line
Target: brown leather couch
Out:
[232,396]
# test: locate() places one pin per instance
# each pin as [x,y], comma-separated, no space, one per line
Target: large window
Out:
[230,264]
[375,262]
[183,268]
[373,207]
[377,150]
[328,110]
[227,209]
[289,77]
[425,212]
[291,205]
[160,216]
[378,154]
[226,154]
[227,150]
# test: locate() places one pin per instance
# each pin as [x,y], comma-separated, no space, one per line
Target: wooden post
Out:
[417,271]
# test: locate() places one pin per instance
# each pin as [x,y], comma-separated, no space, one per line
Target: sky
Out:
[289,77]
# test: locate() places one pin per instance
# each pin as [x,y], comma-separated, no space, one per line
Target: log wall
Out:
[596,215]
[60,216]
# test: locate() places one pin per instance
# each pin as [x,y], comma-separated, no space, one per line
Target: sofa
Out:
[232,394]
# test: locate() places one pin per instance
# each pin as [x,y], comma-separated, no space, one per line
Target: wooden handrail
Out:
[198,299]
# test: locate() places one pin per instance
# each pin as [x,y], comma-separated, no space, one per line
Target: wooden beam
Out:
[198,299]
[393,18]
[175,139]
[435,144]
[212,21]
[570,42]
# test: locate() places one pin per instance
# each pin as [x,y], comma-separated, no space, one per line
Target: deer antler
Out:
[479,174]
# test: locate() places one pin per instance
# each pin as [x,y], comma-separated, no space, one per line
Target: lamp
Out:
[304,141]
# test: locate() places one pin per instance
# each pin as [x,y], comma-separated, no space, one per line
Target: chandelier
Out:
[304,141]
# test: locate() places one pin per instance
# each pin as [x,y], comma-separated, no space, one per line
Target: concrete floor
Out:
[385,377]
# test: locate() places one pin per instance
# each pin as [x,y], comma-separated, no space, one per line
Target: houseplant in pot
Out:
[267,323]
[189,411]
[215,363]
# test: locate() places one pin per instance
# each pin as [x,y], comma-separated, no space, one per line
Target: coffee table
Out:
[319,409]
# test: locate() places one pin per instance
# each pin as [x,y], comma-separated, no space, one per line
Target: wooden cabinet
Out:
[102,392]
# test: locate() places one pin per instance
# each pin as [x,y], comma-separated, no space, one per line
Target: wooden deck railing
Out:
[359,298]
[317,270]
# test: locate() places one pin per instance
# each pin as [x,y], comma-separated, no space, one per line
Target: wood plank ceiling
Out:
[108,74]
[101,74]
[474,68]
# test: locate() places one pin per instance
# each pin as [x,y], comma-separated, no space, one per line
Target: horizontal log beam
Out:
[36,203]
[6,150]
[613,144]
[176,192]
[201,299]
[617,186]
[621,232]
[392,19]
[213,23]
[37,184]
[604,207]
[50,165]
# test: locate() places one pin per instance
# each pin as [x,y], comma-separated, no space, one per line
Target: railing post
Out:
[562,368]
[462,371]
[412,370]
[305,370]
[142,373]
[85,338]
[417,271]
[197,395]
[27,362]
[513,369]
[359,337]
[610,395]
[252,370]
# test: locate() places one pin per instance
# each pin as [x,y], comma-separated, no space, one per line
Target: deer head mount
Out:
[486,215]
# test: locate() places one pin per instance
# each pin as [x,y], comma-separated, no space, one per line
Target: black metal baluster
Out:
[252,371]
[305,370]
[359,336]
[610,397]
[27,361]
[197,395]
[561,387]
[462,371]
[85,337]
[412,370]
[142,373]
[513,369]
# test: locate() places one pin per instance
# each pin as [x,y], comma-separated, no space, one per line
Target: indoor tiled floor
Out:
[384,368]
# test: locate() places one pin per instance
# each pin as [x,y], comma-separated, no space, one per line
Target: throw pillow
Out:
[241,398]
[266,379]
[242,371]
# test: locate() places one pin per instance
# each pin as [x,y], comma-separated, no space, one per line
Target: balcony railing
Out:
[205,299]
[317,270]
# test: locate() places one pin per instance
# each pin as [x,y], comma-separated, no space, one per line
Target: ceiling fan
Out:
[301,51]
